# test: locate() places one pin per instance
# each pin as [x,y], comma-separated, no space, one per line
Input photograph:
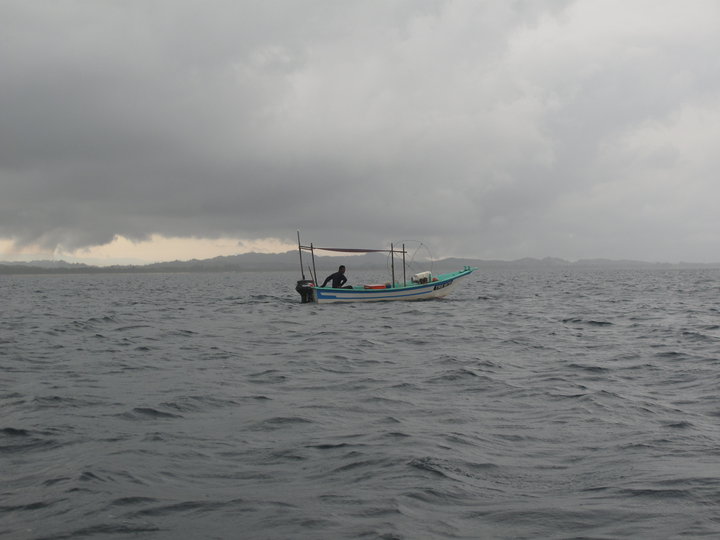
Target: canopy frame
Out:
[311,248]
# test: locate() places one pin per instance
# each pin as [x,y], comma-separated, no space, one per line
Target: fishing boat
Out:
[421,286]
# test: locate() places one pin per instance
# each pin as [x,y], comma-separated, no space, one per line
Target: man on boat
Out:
[338,278]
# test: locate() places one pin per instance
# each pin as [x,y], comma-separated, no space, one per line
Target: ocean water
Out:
[529,404]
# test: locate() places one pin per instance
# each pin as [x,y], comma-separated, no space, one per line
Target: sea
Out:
[530,403]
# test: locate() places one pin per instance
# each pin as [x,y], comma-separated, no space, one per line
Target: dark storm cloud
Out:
[494,128]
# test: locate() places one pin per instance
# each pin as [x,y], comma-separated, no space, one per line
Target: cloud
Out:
[497,129]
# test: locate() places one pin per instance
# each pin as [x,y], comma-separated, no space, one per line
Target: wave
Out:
[22,441]
[144,413]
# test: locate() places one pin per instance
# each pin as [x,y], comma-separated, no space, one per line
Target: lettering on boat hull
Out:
[442,285]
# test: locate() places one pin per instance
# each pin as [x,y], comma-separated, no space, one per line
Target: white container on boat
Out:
[421,277]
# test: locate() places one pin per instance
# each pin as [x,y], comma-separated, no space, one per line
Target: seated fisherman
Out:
[338,278]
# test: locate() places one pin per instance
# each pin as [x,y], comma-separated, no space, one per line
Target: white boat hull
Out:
[445,284]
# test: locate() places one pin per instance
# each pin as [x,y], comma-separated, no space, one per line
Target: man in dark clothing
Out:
[338,278]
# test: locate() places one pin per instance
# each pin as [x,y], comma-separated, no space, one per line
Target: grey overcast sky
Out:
[492,129]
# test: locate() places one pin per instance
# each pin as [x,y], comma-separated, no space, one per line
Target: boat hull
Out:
[445,284]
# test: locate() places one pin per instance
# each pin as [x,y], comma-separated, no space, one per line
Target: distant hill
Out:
[248,262]
[553,262]
[45,264]
[268,261]
[245,262]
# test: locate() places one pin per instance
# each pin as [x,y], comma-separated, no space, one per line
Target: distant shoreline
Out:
[262,262]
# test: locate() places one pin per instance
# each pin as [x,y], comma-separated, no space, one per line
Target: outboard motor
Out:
[305,288]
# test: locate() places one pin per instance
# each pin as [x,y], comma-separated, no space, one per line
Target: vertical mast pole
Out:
[404,278]
[302,272]
[392,264]
[312,252]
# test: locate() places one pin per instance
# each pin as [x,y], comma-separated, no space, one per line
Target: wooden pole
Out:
[313,260]
[404,278]
[392,264]
[302,272]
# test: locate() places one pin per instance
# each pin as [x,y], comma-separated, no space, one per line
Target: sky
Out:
[139,131]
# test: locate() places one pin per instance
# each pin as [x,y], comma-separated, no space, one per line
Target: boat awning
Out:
[353,250]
